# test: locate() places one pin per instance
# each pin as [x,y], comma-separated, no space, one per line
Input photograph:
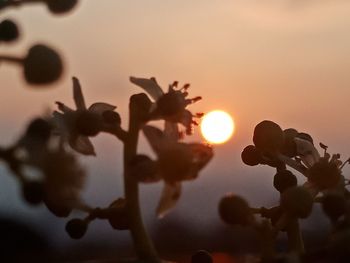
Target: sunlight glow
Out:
[217,126]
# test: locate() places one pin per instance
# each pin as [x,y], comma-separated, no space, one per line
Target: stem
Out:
[143,244]
[295,239]
[266,239]
[292,163]
[11,59]
[16,3]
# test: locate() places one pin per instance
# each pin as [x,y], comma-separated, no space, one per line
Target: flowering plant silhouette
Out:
[324,184]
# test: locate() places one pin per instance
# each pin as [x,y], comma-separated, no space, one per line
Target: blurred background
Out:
[286,61]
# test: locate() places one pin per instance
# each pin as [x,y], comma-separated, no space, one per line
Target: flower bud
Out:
[297,201]
[334,205]
[171,103]
[251,155]
[88,123]
[305,136]
[61,6]
[324,174]
[57,209]
[111,117]
[268,136]
[42,65]
[8,31]
[283,180]
[33,192]
[289,146]
[234,210]
[76,228]
[117,215]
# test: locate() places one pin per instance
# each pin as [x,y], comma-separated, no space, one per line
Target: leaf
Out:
[62,107]
[78,95]
[170,195]
[155,137]
[100,107]
[82,144]
[149,85]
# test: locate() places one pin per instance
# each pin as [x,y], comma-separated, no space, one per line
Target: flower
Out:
[176,162]
[75,126]
[170,106]
[63,180]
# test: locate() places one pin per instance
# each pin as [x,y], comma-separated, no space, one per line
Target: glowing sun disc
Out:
[217,126]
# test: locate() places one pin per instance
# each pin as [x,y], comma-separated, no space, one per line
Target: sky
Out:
[286,61]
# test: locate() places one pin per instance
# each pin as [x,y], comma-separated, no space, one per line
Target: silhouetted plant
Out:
[325,183]
[43,146]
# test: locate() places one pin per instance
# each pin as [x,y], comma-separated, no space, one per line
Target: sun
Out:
[217,126]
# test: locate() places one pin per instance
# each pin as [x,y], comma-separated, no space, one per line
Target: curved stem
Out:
[143,244]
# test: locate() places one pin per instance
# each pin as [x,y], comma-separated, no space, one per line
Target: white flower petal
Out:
[100,107]
[78,95]
[202,154]
[82,144]
[149,85]
[307,152]
[170,195]
[155,137]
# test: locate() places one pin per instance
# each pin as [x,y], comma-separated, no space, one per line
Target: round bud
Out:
[33,192]
[171,103]
[42,65]
[61,6]
[334,205]
[117,215]
[8,31]
[297,201]
[234,210]
[268,136]
[76,228]
[283,180]
[88,123]
[57,209]
[111,117]
[251,155]
[201,256]
[289,146]
[305,136]
[143,168]
[324,174]
[39,129]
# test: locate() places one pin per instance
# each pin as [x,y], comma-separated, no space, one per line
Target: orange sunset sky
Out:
[287,61]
